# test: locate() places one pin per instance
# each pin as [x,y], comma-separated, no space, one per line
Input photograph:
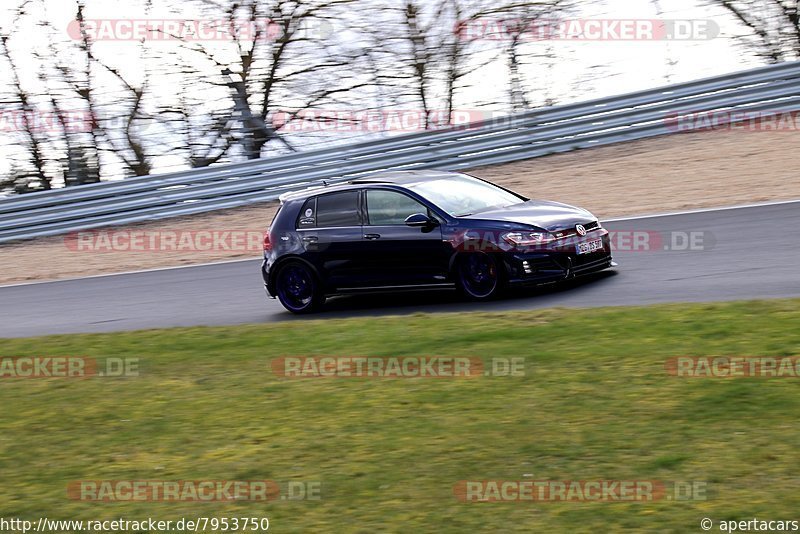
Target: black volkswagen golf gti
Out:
[423,229]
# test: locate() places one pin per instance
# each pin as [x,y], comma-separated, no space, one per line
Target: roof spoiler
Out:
[282,198]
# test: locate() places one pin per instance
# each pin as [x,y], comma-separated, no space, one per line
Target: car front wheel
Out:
[478,276]
[298,288]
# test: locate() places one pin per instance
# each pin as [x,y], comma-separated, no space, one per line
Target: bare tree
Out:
[206,136]
[31,174]
[417,54]
[119,127]
[528,23]
[278,59]
[773,26]
[66,83]
[275,60]
[432,53]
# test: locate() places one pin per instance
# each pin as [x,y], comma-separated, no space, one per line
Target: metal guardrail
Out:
[527,135]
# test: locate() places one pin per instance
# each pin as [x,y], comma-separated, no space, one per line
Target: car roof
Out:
[401,178]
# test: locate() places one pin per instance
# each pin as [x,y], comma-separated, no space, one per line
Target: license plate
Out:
[589,246]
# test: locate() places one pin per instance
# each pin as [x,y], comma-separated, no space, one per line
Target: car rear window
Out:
[338,209]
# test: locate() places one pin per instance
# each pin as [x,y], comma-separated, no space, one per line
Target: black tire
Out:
[298,288]
[478,276]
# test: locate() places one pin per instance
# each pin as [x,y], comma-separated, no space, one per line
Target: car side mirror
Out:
[420,220]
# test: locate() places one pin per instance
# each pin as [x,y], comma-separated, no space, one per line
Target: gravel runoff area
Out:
[669,173]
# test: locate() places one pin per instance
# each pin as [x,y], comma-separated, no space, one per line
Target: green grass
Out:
[595,403]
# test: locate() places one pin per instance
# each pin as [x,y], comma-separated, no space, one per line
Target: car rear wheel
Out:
[298,288]
[478,276]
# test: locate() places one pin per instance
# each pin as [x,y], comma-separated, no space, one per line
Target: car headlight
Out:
[527,239]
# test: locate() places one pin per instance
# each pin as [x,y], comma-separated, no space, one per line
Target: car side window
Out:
[388,208]
[308,214]
[338,209]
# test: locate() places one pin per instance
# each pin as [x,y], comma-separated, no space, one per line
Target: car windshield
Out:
[464,195]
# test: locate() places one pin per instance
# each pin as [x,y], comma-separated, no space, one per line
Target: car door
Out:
[398,254]
[330,230]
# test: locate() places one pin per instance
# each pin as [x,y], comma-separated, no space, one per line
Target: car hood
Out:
[542,213]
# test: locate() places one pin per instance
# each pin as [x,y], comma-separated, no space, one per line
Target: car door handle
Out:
[372,236]
[310,239]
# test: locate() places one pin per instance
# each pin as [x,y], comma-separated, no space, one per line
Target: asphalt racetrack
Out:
[746,253]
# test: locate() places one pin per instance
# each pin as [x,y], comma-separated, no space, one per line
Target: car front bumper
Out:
[556,264]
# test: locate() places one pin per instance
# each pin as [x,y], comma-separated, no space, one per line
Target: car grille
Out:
[583,259]
[597,263]
[571,232]
[576,260]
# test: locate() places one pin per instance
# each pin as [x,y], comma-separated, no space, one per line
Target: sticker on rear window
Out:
[307,217]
